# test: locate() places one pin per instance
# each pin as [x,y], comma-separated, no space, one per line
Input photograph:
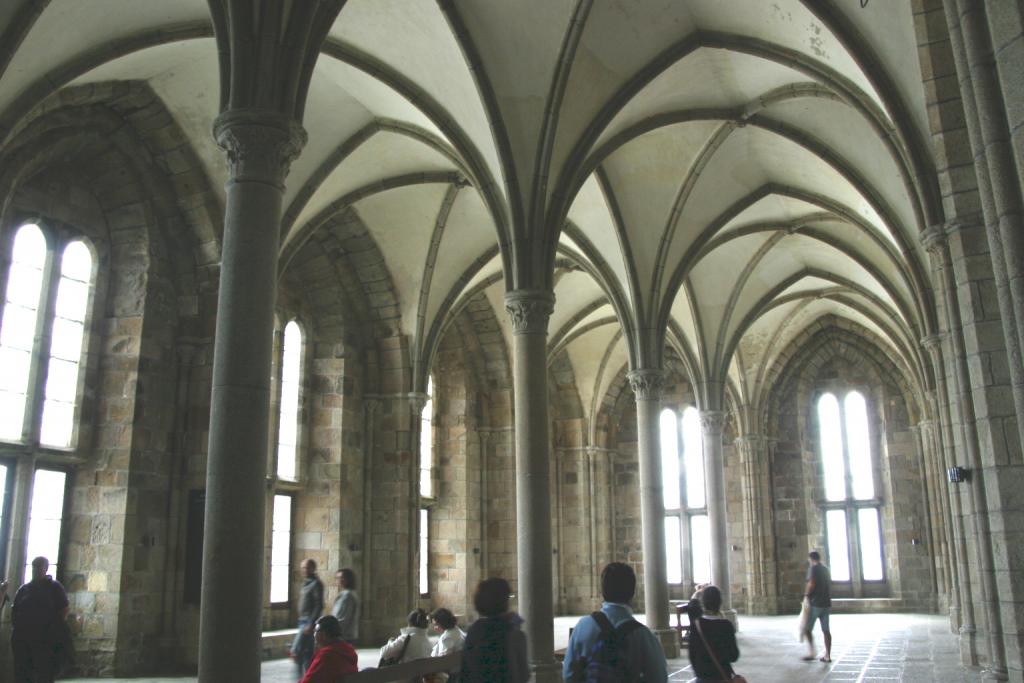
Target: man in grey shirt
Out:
[311,606]
[346,605]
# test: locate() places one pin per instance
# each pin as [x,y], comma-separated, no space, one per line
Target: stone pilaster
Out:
[259,146]
[529,311]
[712,424]
[758,524]
[647,384]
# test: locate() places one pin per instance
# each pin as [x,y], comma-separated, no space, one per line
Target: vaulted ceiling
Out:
[703,175]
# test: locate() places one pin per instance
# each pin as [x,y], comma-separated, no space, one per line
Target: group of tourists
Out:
[609,644]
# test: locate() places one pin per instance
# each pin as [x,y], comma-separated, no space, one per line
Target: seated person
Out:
[333,657]
[411,642]
[451,640]
[495,647]
[452,637]
[718,633]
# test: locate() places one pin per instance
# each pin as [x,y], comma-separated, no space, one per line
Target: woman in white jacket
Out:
[451,638]
[411,642]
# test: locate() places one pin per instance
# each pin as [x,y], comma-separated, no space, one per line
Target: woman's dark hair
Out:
[491,597]
[348,577]
[418,618]
[444,618]
[711,598]
[329,626]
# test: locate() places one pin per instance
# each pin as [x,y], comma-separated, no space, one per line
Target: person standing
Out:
[37,631]
[495,646]
[643,656]
[713,649]
[311,606]
[819,595]
[346,606]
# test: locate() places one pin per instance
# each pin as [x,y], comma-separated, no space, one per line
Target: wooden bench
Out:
[407,670]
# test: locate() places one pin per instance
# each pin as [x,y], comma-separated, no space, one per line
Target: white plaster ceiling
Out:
[681,141]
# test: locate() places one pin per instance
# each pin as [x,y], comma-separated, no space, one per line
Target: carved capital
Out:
[932,344]
[646,383]
[934,240]
[529,310]
[260,145]
[712,422]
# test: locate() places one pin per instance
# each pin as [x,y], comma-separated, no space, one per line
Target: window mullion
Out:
[36,391]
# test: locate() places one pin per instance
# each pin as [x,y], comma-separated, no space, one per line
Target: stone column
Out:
[934,240]
[647,384]
[961,618]
[712,423]
[529,311]
[260,146]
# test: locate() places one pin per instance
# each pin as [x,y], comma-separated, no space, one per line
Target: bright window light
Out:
[280,549]
[693,458]
[870,544]
[66,346]
[18,326]
[838,545]
[291,377]
[669,437]
[831,447]
[673,550]
[700,538]
[427,444]
[44,520]
[424,550]
[858,447]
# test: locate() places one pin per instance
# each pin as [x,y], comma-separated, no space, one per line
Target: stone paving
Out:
[868,647]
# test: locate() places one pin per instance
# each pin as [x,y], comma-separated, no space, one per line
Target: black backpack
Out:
[608,658]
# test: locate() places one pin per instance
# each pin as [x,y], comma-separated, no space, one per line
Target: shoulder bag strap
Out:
[711,653]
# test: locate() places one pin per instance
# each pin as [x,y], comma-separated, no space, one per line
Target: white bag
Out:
[805,615]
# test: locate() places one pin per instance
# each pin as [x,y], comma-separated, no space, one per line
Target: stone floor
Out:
[883,647]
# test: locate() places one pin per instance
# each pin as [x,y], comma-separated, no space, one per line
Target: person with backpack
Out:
[610,645]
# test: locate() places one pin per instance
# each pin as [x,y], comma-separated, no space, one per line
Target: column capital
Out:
[713,421]
[646,383]
[933,342]
[260,144]
[529,310]
[934,240]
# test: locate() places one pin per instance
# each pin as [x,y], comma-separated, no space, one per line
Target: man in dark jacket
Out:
[311,606]
[36,629]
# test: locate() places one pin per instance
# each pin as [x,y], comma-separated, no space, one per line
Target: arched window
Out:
[286,469]
[851,506]
[426,486]
[46,302]
[687,533]
[288,419]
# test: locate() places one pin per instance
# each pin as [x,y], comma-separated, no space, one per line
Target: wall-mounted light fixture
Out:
[957,475]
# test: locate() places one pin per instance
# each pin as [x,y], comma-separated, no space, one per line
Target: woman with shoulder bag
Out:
[714,648]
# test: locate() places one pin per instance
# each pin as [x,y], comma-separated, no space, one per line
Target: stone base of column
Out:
[995,675]
[546,673]
[733,616]
[968,647]
[669,639]
[954,619]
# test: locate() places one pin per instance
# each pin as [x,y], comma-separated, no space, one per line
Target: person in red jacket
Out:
[333,657]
